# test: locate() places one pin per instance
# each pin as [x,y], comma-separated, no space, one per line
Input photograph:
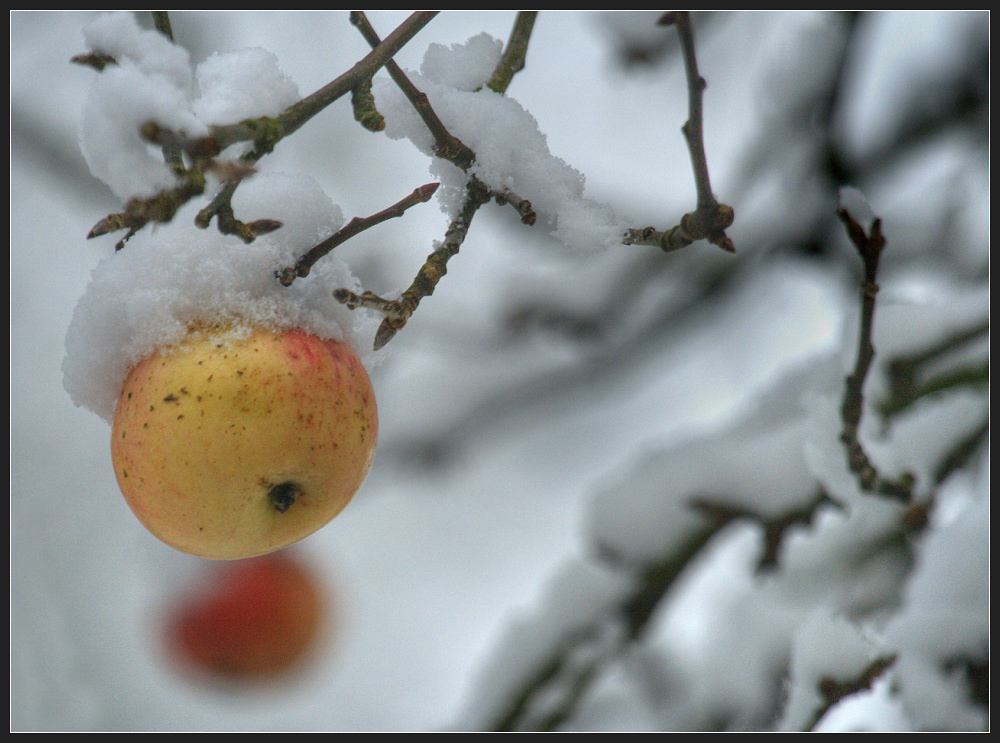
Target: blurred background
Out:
[530,383]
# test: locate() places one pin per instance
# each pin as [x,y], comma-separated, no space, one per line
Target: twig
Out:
[693,126]
[161,21]
[710,219]
[521,206]
[399,311]
[870,248]
[700,224]
[962,451]
[774,528]
[902,372]
[301,269]
[160,208]
[264,133]
[514,54]
[446,145]
[298,114]
[833,691]
[96,60]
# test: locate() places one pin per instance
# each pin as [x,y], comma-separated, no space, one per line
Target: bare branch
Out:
[420,195]
[512,60]
[710,219]
[399,311]
[870,248]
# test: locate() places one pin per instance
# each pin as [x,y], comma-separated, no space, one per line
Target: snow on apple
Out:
[170,275]
[145,296]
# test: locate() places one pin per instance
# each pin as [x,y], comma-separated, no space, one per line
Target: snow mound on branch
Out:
[511,152]
[242,85]
[466,66]
[153,80]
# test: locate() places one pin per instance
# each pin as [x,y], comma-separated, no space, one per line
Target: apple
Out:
[258,619]
[235,444]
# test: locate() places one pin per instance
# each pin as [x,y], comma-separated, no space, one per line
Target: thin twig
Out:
[693,126]
[700,224]
[852,408]
[398,312]
[521,206]
[161,21]
[264,133]
[298,114]
[301,269]
[436,265]
[514,54]
[833,690]
[172,154]
[710,219]
[905,373]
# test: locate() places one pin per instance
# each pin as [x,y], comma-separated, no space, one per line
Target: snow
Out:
[526,477]
[153,80]
[512,154]
[133,306]
[223,79]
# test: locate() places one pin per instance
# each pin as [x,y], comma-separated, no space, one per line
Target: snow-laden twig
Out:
[452,149]
[263,133]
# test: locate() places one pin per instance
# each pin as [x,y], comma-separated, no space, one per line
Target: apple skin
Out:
[230,446]
[259,619]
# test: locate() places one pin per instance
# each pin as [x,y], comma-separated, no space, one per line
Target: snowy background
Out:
[551,413]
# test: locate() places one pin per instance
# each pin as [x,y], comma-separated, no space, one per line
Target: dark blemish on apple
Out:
[170,398]
[283,495]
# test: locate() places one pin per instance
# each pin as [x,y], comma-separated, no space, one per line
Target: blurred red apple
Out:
[260,619]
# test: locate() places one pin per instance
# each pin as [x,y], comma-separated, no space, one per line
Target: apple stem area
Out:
[283,495]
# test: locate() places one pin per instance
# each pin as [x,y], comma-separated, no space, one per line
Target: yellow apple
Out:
[234,445]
